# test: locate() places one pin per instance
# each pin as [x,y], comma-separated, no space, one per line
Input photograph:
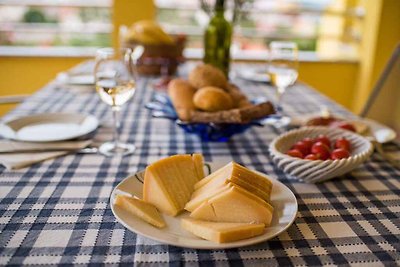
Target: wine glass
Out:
[282,69]
[115,77]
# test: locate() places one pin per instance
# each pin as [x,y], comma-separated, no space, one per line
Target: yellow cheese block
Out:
[234,205]
[145,211]
[222,232]
[237,174]
[169,183]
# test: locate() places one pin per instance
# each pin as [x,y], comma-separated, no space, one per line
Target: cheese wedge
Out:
[237,174]
[169,182]
[199,199]
[234,205]
[222,232]
[198,161]
[145,211]
[207,179]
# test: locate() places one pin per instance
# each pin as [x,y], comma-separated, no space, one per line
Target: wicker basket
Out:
[160,59]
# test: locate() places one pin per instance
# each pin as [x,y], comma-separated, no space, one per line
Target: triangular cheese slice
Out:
[199,199]
[237,174]
[222,232]
[141,209]
[210,177]
[169,183]
[234,205]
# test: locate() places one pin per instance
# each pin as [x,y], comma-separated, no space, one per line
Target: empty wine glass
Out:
[282,68]
[115,76]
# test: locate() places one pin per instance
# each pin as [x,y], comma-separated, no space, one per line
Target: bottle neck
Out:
[219,7]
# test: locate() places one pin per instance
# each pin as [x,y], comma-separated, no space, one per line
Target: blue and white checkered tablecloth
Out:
[58,212]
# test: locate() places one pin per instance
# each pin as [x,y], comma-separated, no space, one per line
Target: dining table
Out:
[57,212]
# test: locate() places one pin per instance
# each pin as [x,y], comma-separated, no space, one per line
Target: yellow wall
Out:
[126,12]
[336,80]
[381,34]
[24,75]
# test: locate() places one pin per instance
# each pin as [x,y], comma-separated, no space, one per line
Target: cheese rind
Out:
[222,232]
[141,209]
[169,183]
[198,161]
[235,205]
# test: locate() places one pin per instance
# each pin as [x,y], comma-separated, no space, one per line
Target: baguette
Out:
[237,115]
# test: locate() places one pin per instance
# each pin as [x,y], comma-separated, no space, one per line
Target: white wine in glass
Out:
[282,68]
[115,78]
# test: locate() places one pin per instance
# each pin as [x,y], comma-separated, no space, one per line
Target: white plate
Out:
[365,127]
[255,75]
[282,199]
[382,133]
[81,79]
[49,127]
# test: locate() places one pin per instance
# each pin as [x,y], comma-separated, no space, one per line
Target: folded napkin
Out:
[20,160]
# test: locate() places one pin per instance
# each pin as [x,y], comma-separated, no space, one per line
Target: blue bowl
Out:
[161,107]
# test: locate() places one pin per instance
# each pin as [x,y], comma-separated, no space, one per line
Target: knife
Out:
[86,150]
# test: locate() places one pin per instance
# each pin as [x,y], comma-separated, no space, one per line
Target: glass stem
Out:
[280,92]
[116,126]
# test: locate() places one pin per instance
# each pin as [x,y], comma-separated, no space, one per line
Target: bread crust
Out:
[212,99]
[207,75]
[181,94]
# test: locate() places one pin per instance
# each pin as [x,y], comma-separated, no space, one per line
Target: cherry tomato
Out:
[343,143]
[340,153]
[324,139]
[308,142]
[303,148]
[322,121]
[344,125]
[312,157]
[322,150]
[295,153]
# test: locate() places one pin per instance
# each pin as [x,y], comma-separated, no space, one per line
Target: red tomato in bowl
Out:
[295,153]
[342,143]
[324,139]
[304,148]
[312,157]
[340,153]
[322,150]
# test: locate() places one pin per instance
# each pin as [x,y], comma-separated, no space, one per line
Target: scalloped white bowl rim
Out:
[310,170]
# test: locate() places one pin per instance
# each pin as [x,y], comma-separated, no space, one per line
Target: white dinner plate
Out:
[381,133]
[282,199]
[49,127]
[254,75]
[80,79]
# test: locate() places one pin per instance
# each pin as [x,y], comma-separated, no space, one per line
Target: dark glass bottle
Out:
[217,39]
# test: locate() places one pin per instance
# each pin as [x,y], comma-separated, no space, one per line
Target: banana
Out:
[148,32]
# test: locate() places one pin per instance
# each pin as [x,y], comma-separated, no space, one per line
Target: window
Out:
[323,27]
[55,23]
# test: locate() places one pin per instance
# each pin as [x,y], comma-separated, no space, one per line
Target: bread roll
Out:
[181,94]
[239,99]
[212,99]
[207,75]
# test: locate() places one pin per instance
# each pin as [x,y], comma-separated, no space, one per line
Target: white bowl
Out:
[313,171]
